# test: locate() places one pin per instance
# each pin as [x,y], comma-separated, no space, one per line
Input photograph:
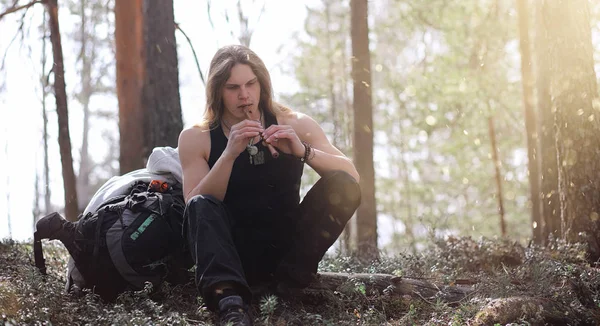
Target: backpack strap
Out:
[114,237]
[38,253]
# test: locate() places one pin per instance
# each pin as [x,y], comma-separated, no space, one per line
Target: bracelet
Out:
[309,152]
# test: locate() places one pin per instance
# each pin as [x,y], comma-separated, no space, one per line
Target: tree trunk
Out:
[36,209]
[87,57]
[161,88]
[530,121]
[346,237]
[245,33]
[47,190]
[64,140]
[547,159]
[363,130]
[498,174]
[7,193]
[573,90]
[544,311]
[331,77]
[131,66]
[390,285]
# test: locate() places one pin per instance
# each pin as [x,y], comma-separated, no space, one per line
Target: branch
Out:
[193,51]
[15,9]
[13,39]
[209,15]
[386,284]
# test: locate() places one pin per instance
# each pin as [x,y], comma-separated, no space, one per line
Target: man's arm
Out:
[326,157]
[198,178]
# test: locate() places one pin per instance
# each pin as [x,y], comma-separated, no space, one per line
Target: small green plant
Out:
[268,305]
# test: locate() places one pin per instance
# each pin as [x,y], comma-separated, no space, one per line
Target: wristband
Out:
[309,152]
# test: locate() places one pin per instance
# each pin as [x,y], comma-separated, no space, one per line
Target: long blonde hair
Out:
[220,71]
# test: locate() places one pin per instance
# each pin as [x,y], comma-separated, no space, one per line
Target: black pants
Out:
[290,253]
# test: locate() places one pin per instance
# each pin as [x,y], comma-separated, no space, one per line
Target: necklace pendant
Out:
[259,158]
[252,150]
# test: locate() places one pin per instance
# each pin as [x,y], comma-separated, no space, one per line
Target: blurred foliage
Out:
[441,69]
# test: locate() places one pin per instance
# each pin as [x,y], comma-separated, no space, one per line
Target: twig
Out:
[209,15]
[194,52]
[15,9]
[423,298]
[14,38]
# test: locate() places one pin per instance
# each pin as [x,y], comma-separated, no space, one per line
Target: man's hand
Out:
[285,139]
[240,135]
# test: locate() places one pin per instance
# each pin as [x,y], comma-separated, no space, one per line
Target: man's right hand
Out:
[240,135]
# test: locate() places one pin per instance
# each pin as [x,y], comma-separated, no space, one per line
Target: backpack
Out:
[128,241]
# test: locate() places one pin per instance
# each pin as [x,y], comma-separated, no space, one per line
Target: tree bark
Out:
[64,140]
[384,284]
[573,89]
[130,55]
[363,130]
[530,121]
[346,237]
[87,56]
[547,164]
[504,311]
[8,217]
[161,84]
[498,174]
[47,190]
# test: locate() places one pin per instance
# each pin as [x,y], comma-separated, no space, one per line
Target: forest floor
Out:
[511,285]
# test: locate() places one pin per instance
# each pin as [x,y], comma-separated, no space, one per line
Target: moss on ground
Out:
[513,285]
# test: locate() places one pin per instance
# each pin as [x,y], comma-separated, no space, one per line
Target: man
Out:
[241,179]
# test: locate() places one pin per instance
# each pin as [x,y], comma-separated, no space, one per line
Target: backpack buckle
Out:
[158,186]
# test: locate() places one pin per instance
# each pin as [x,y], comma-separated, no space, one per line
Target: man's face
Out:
[241,92]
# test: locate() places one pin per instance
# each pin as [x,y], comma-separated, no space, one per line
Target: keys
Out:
[252,150]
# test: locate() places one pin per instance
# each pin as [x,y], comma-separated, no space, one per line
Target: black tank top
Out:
[261,194]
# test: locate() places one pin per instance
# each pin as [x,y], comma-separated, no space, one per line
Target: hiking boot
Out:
[55,227]
[232,312]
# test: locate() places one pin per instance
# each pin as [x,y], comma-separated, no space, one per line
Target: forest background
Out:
[449,123]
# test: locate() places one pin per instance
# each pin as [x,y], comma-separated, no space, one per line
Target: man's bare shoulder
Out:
[194,138]
[293,118]
[194,132]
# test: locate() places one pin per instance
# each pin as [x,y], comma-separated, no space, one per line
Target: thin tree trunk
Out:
[408,222]
[331,77]
[347,115]
[363,130]
[36,211]
[530,120]
[348,141]
[335,119]
[498,175]
[64,140]
[245,33]
[131,64]
[547,160]
[83,179]
[7,192]
[161,89]
[47,190]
